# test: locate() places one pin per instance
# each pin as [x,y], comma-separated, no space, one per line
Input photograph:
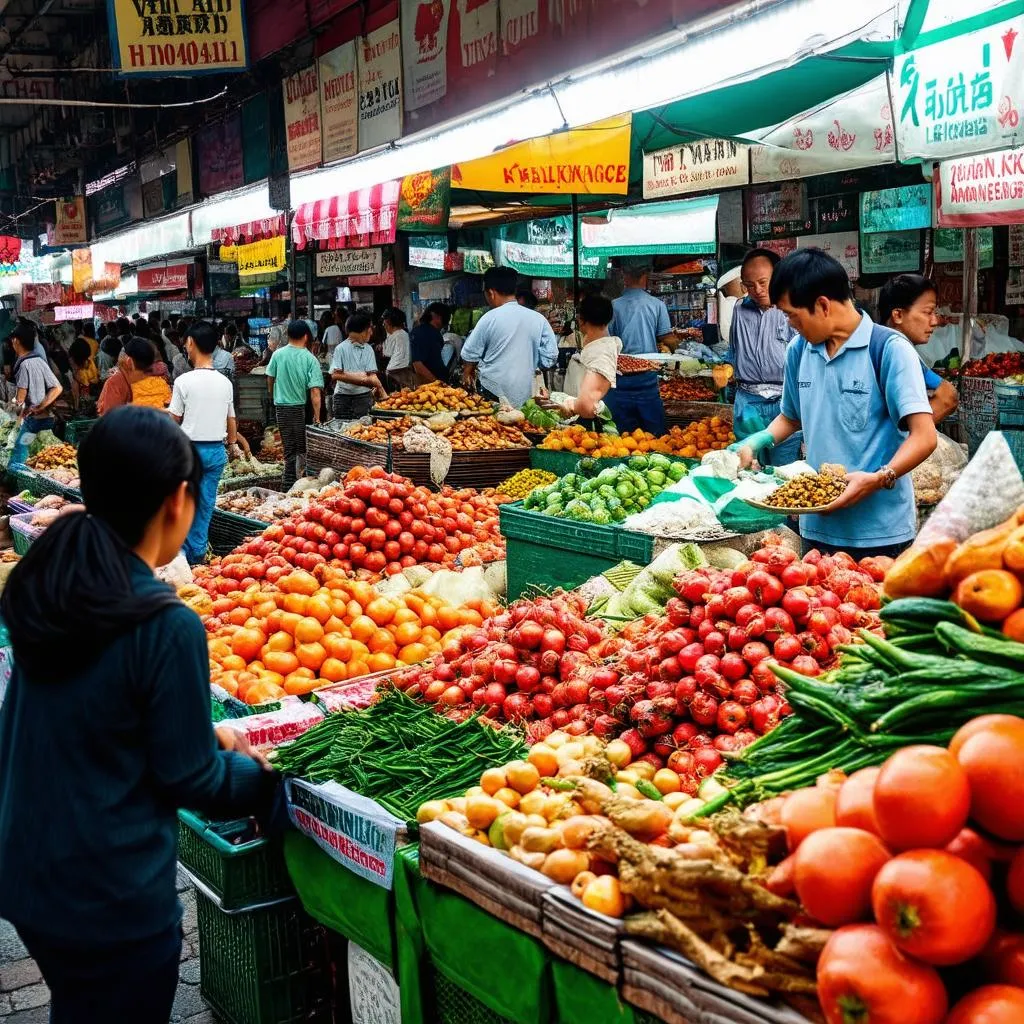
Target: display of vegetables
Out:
[263,505]
[607,496]
[247,468]
[54,456]
[476,433]
[999,365]
[687,389]
[435,397]
[538,418]
[380,431]
[521,484]
[692,442]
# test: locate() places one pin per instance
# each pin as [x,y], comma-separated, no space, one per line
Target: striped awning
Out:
[353,221]
[252,231]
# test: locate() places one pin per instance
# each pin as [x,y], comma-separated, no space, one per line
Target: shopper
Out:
[105,732]
[641,322]
[599,357]
[354,369]
[84,371]
[293,374]
[757,352]
[37,388]
[334,336]
[509,344]
[397,350]
[857,391]
[221,359]
[137,380]
[426,344]
[203,403]
[907,304]
[110,351]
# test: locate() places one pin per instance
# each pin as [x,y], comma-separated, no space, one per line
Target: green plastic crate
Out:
[543,568]
[240,874]
[266,966]
[453,1005]
[561,463]
[228,530]
[75,430]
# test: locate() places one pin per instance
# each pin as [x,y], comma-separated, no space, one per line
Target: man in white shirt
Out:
[203,403]
[334,335]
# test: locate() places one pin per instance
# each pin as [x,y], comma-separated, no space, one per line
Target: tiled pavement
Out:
[24,998]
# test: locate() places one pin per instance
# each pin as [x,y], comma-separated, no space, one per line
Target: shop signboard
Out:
[81,270]
[1016,257]
[979,190]
[908,208]
[428,251]
[302,118]
[164,279]
[961,95]
[890,252]
[379,64]
[259,331]
[476,261]
[472,43]
[948,246]
[339,111]
[424,201]
[83,311]
[424,50]
[343,262]
[258,258]
[69,228]
[254,138]
[834,214]
[220,157]
[1015,287]
[778,212]
[853,131]
[695,167]
[543,248]
[37,296]
[843,246]
[222,277]
[112,207]
[592,160]
[156,39]
[684,227]
[385,279]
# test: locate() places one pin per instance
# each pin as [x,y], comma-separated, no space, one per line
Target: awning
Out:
[685,227]
[252,231]
[353,221]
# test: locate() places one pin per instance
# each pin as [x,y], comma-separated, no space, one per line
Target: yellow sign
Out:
[257,258]
[81,270]
[165,39]
[593,160]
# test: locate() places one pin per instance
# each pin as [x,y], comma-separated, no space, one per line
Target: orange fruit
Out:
[233,663]
[296,603]
[357,668]
[298,685]
[407,633]
[380,661]
[311,655]
[1013,627]
[363,627]
[274,677]
[281,662]
[280,641]
[237,616]
[337,646]
[382,640]
[272,622]
[381,610]
[362,592]
[227,681]
[413,653]
[299,582]
[319,607]
[289,620]
[448,618]
[335,625]
[308,630]
[468,617]
[334,670]
[404,615]
[247,644]
[430,634]
[991,595]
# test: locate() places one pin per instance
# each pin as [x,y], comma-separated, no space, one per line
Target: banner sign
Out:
[352,829]
[258,258]
[164,279]
[113,207]
[220,156]
[853,131]
[1016,245]
[543,248]
[36,296]
[890,252]
[779,212]
[694,167]
[428,251]
[843,246]
[339,111]
[109,279]
[591,161]
[81,270]
[379,66]
[302,118]
[385,279]
[962,95]
[343,262]
[424,201]
[896,209]
[149,38]
[833,214]
[981,190]
[70,226]
[80,312]
[424,46]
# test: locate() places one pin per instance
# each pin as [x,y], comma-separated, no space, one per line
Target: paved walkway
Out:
[24,998]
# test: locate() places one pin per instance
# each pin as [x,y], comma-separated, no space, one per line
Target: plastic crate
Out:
[561,463]
[17,507]
[264,966]
[75,430]
[453,1005]
[240,874]
[228,530]
[22,533]
[564,534]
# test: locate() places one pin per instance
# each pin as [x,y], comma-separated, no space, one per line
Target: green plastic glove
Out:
[755,442]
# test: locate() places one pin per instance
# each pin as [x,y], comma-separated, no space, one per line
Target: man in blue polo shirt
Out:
[857,391]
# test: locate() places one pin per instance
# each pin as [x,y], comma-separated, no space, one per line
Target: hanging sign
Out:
[343,262]
[379,65]
[220,159]
[948,246]
[424,201]
[779,212]
[977,190]
[36,296]
[543,248]
[70,226]
[83,311]
[589,161]
[109,279]
[256,258]
[896,209]
[1016,245]
[853,131]
[81,270]
[833,214]
[962,95]
[302,118]
[164,279]
[149,38]
[842,246]
[890,252]
[428,251]
[424,50]
[339,111]
[694,167]
[473,46]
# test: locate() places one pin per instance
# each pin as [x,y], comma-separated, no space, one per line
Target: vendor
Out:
[354,370]
[857,391]
[730,293]
[907,304]
[599,358]
[426,345]
[757,351]
[37,390]
[396,348]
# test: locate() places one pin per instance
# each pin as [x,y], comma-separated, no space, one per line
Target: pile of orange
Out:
[299,636]
[692,441]
[696,439]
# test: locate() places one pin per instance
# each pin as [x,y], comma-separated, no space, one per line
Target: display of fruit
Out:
[999,365]
[809,490]
[483,433]
[265,507]
[53,457]
[379,431]
[435,397]
[632,364]
[272,448]
[691,442]
[695,440]
[687,389]
[521,484]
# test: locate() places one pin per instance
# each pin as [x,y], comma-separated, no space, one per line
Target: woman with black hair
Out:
[105,731]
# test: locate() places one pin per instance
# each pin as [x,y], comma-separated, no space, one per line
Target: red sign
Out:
[36,296]
[164,279]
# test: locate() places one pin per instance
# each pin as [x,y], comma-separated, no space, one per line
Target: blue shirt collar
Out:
[860,338]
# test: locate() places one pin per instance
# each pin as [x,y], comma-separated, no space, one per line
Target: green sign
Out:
[255,153]
[890,252]
[896,209]
[949,246]
[543,248]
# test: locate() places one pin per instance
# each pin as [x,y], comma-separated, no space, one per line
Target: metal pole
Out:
[575,251]
[310,261]
[970,288]
[293,285]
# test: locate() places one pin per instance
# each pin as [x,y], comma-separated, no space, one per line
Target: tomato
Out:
[834,872]
[864,979]
[806,811]
[991,757]
[976,725]
[1015,881]
[922,798]
[991,1004]
[855,804]
[977,851]
[1002,960]
[934,906]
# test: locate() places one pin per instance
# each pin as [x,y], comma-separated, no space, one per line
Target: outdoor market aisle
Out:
[24,998]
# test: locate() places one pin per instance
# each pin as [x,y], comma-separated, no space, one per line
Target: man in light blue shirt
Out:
[509,344]
[640,323]
[857,391]
[354,369]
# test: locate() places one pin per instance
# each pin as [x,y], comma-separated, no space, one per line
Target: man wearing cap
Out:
[640,322]
[730,292]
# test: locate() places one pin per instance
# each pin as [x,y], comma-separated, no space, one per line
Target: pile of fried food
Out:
[435,397]
[810,490]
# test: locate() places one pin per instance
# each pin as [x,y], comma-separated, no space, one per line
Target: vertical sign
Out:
[302,118]
[70,226]
[1016,245]
[254,138]
[338,103]
[473,48]
[424,46]
[380,86]
[220,156]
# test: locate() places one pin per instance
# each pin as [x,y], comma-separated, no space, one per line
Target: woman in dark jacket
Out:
[105,731]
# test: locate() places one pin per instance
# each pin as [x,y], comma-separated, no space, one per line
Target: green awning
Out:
[685,228]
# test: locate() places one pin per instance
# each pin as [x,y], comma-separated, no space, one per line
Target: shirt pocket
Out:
[854,406]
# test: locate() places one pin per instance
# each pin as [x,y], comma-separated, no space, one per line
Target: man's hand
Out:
[858,487]
[234,451]
[230,739]
[745,452]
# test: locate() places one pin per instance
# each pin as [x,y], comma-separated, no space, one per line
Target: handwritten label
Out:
[979,190]
[380,86]
[339,111]
[302,118]
[342,262]
[694,167]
